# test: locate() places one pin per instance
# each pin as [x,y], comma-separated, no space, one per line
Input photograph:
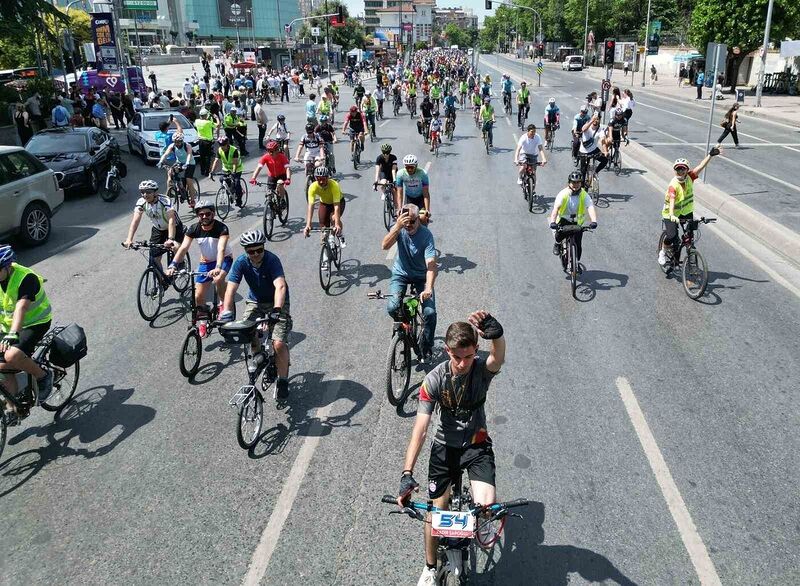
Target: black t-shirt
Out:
[28,288]
[616,125]
[325,132]
[386,164]
[426,108]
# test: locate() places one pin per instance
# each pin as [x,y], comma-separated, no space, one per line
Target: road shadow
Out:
[606,199]
[172,312]
[714,278]
[99,415]
[352,273]
[450,263]
[309,392]
[627,172]
[521,557]
[282,232]
[62,239]
[592,281]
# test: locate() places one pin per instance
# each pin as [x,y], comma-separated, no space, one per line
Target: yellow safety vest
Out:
[684,197]
[38,312]
[227,160]
[580,216]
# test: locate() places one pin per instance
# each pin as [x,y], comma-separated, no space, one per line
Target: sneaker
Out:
[556,249]
[202,329]
[342,242]
[239,203]
[519,180]
[282,388]
[45,385]
[428,577]
[662,257]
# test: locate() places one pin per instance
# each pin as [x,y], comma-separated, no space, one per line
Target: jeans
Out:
[262,131]
[398,285]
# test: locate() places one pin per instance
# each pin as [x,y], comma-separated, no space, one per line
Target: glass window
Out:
[151,122]
[21,164]
[51,143]
[98,138]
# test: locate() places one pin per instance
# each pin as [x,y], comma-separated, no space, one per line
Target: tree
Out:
[741,24]
[16,15]
[456,35]
[349,36]
[18,45]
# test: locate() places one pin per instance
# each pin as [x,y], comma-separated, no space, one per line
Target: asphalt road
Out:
[656,436]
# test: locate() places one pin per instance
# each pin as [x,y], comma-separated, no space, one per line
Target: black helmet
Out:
[575,176]
[309,128]
[281,118]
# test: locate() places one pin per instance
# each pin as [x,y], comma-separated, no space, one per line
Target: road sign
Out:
[539,69]
[315,31]
[140,4]
[236,10]
[606,85]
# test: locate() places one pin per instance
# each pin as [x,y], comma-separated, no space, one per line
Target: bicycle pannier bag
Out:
[69,346]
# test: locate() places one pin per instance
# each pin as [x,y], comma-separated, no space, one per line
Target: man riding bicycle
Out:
[331,203]
[358,124]
[327,133]
[369,106]
[268,296]
[450,108]
[314,147]
[569,209]
[593,145]
[232,163]
[413,186]
[436,129]
[26,317]
[508,88]
[182,153]
[552,116]
[457,389]
[279,174]
[487,117]
[523,103]
[616,125]
[529,144]
[167,226]
[386,166]
[425,116]
[578,122]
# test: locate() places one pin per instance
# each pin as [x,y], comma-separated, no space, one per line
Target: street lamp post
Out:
[646,43]
[586,34]
[762,68]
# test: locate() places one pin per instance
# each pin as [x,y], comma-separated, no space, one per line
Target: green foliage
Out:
[16,15]
[349,36]
[420,45]
[18,45]
[228,45]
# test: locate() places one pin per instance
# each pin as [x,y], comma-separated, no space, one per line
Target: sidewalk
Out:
[780,108]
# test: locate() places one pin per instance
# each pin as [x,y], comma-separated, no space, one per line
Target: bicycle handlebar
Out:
[145,244]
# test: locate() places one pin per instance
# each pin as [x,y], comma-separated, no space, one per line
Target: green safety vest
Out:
[436,92]
[581,215]
[227,160]
[229,121]
[476,100]
[38,311]
[684,198]
[487,113]
[205,129]
[523,95]
[324,107]
[372,106]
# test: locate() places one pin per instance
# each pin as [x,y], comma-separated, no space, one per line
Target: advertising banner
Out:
[105,43]
[654,37]
[233,13]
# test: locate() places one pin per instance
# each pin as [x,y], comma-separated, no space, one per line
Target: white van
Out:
[572,63]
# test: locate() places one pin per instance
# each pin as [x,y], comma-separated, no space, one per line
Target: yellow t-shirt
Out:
[329,194]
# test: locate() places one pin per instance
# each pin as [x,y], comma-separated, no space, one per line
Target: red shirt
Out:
[276,164]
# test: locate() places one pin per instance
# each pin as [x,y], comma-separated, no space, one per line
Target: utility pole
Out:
[586,36]
[713,103]
[762,68]
[327,41]
[647,43]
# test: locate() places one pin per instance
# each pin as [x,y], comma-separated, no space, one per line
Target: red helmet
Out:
[353,109]
[272,145]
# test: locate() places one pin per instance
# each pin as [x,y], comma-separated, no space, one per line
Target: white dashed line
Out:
[384,123]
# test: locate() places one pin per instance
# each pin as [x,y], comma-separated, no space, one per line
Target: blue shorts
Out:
[205,267]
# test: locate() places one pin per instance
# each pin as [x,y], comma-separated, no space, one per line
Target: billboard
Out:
[233,13]
[654,37]
[105,43]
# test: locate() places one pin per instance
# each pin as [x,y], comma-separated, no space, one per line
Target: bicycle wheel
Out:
[530,186]
[388,212]
[3,431]
[337,255]
[325,267]
[251,417]
[65,381]
[617,161]
[181,282]
[573,266]
[594,188]
[223,203]
[268,219]
[191,352]
[150,295]
[398,369]
[196,185]
[695,274]
[283,209]
[110,193]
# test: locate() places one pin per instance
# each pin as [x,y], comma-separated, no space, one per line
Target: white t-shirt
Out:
[529,146]
[590,140]
[156,211]
[572,202]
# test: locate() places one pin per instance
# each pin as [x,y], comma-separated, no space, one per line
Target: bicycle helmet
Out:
[523,82]
[618,112]
[204,204]
[222,140]
[234,111]
[551,101]
[252,238]
[323,118]
[7,256]
[575,176]
[148,185]
[680,163]
[309,128]
[281,118]
[410,160]
[203,113]
[272,145]
[386,148]
[177,137]
[353,109]
[322,172]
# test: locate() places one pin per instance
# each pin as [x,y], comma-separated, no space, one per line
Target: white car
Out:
[144,126]
[572,63]
[29,196]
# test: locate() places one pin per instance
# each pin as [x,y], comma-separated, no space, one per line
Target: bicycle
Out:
[412,106]
[460,528]
[615,157]
[373,136]
[249,399]
[330,255]
[487,127]
[568,253]
[476,115]
[396,103]
[117,170]
[694,270]
[274,206]
[154,282]
[201,320]
[591,181]
[435,143]
[507,103]
[426,130]
[355,149]
[406,336]
[449,128]
[522,114]
[65,381]
[550,135]
[283,146]
[179,192]
[226,194]
[387,195]
[529,181]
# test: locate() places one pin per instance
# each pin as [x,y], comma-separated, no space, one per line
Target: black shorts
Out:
[28,338]
[272,182]
[446,463]
[161,236]
[417,201]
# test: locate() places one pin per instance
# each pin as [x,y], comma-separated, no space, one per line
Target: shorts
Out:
[188,171]
[28,338]
[325,212]
[446,463]
[205,267]
[272,182]
[254,310]
[417,201]
[161,236]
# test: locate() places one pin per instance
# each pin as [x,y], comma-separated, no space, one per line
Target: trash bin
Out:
[740,96]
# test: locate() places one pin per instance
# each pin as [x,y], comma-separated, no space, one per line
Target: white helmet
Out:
[410,160]
[551,101]
[148,185]
[251,238]
[680,163]
[203,112]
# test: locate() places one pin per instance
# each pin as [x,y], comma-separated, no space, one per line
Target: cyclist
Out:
[25,319]
[335,91]
[281,132]
[487,117]
[523,103]
[386,165]
[425,116]
[216,257]
[181,151]
[569,209]
[552,115]
[331,203]
[167,226]
[578,122]
[324,107]
[415,264]
[436,128]
[278,170]
[380,96]
[450,108]
[397,95]
[593,145]
[311,110]
[357,123]
[531,144]
[413,186]
[458,387]
[164,139]
[679,201]
[508,88]
[476,101]
[358,93]
[486,88]
[616,126]
[268,296]
[231,163]
[436,94]
[314,147]
[327,133]
[463,89]
[370,107]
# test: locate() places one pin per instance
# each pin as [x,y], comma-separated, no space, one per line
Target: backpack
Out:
[60,115]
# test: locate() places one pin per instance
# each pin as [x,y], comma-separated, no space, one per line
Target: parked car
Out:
[142,133]
[29,196]
[81,156]
[572,63]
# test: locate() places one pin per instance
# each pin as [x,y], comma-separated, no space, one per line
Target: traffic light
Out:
[488,4]
[541,49]
[608,55]
[338,18]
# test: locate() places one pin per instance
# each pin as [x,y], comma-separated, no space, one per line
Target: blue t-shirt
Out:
[414,183]
[311,109]
[450,102]
[261,279]
[164,139]
[412,250]
[508,85]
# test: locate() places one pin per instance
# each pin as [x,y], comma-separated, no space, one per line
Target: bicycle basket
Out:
[68,346]
[238,332]
[122,169]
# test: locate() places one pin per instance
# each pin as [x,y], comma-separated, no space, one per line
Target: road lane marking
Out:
[508,121]
[428,166]
[788,145]
[677,507]
[384,123]
[269,538]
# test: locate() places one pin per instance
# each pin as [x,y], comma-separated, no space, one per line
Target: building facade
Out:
[464,18]
[378,15]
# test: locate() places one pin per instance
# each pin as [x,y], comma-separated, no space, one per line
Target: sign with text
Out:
[140,4]
[233,13]
[105,44]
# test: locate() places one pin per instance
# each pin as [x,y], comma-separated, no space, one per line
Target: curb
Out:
[780,239]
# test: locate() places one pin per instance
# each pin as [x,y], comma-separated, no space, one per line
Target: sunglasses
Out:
[254,251]
[204,214]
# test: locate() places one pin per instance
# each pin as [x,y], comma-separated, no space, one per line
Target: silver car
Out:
[144,126]
[29,196]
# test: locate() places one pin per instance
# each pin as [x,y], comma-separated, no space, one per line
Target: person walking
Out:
[682,74]
[653,74]
[23,122]
[626,66]
[261,118]
[698,82]
[729,123]
[153,84]
[59,116]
